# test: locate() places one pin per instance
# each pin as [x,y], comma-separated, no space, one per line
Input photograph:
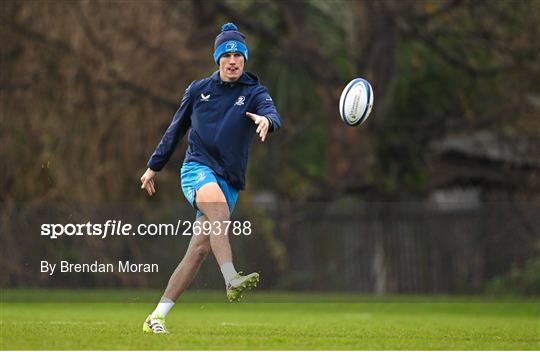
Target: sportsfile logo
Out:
[121,228]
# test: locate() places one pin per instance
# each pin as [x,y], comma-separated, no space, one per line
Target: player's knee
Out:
[218,212]
[214,211]
[212,202]
[200,251]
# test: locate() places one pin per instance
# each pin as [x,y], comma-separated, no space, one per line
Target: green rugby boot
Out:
[239,284]
[155,325]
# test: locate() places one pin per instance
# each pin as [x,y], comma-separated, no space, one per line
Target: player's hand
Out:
[262,122]
[147,180]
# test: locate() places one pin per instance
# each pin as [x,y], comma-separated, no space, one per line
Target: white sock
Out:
[163,307]
[228,271]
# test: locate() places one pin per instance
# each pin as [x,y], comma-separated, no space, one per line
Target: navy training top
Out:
[220,132]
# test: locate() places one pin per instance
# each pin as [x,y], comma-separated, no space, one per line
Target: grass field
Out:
[325,322]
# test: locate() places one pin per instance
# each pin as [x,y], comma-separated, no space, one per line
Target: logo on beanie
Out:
[230,46]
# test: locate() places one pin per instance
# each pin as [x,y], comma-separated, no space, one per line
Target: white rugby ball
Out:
[356,102]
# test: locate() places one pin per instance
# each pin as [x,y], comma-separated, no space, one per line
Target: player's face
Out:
[231,66]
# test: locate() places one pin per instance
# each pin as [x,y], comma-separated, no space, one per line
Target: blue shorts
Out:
[194,175]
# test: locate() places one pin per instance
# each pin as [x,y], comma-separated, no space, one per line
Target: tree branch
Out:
[249,23]
[118,82]
[412,30]
[88,31]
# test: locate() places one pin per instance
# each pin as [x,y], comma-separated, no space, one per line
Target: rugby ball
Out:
[356,102]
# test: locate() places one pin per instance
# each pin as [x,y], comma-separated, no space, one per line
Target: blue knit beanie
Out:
[230,40]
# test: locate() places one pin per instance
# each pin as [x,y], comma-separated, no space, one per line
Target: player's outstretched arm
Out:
[147,181]
[179,126]
[262,122]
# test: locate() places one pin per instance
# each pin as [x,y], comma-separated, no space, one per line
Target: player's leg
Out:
[183,275]
[187,269]
[212,202]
